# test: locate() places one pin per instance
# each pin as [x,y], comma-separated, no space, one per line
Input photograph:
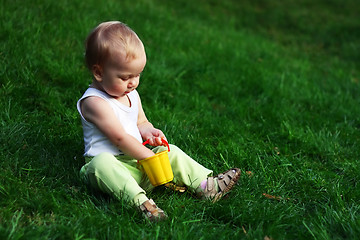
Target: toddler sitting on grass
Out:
[115,125]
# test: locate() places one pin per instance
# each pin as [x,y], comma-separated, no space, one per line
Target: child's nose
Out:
[132,82]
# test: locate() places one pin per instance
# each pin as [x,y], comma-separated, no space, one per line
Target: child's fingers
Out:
[152,141]
[155,141]
[158,141]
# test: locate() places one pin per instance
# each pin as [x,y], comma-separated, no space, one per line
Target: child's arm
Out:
[147,130]
[98,111]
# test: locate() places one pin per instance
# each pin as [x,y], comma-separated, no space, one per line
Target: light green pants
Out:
[121,177]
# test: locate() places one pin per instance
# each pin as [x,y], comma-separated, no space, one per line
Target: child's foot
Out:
[216,187]
[152,212]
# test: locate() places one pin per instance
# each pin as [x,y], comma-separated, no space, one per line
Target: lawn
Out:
[269,87]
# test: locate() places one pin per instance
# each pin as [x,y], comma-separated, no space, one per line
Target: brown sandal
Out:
[226,182]
[152,212]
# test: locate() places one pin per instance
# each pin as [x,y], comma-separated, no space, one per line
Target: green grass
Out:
[272,88]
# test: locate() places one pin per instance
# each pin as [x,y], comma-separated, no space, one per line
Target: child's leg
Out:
[187,171]
[106,173]
[190,173]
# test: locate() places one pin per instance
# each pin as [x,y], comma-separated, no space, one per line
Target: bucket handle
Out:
[162,140]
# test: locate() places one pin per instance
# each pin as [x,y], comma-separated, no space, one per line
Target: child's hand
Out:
[155,141]
[154,137]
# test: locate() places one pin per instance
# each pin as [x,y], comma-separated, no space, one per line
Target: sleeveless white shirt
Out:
[95,141]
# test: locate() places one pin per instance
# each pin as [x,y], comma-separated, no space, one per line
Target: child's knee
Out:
[102,162]
[175,151]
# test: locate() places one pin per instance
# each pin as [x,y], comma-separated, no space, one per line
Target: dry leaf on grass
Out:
[268,196]
[175,187]
[244,229]
[249,174]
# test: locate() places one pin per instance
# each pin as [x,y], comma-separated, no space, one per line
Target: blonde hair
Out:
[110,36]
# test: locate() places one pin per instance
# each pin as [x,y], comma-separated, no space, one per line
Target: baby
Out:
[115,125]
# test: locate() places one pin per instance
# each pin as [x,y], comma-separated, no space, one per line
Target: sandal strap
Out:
[210,185]
[210,190]
[225,178]
[152,211]
[148,208]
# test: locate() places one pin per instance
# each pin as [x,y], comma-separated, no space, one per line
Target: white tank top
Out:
[95,141]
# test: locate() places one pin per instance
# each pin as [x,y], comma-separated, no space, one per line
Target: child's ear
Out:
[97,72]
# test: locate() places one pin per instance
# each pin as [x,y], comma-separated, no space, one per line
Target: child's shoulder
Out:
[91,99]
[93,92]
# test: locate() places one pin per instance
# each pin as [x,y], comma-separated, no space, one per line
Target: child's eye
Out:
[124,77]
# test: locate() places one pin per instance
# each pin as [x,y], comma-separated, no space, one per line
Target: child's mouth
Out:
[127,92]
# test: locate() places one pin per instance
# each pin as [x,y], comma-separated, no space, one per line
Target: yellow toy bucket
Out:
[157,167]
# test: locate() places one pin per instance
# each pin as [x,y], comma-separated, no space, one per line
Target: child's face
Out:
[119,77]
